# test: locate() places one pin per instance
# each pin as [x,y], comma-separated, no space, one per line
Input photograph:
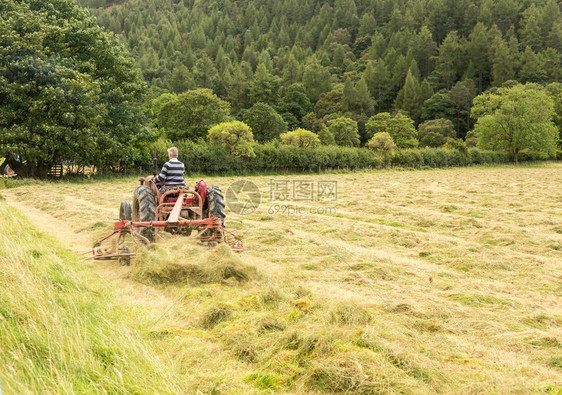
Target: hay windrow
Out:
[181,262]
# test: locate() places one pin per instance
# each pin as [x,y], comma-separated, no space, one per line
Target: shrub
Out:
[382,143]
[236,136]
[456,144]
[301,138]
[344,131]
[435,132]
[399,126]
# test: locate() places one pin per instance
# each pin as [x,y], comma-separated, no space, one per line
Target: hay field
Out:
[441,281]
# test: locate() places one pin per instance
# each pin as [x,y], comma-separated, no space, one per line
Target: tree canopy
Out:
[265,122]
[191,114]
[68,90]
[301,138]
[516,118]
[399,126]
[236,136]
[351,58]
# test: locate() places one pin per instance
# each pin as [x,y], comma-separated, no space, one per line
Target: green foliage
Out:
[410,97]
[316,80]
[192,114]
[326,137]
[248,52]
[69,91]
[265,122]
[438,106]
[456,144]
[295,102]
[301,138]
[265,87]
[207,158]
[382,143]
[435,132]
[62,330]
[514,119]
[399,126]
[236,136]
[344,131]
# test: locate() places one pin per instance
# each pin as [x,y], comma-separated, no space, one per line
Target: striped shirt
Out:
[172,173]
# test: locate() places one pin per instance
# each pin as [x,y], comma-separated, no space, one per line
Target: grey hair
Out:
[173,152]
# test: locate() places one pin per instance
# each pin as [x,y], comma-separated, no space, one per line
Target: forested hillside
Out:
[353,57]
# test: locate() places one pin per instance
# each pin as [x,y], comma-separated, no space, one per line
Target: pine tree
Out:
[502,65]
[530,31]
[409,98]
[349,95]
[531,67]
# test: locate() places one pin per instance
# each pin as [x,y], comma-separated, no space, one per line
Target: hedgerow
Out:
[204,157]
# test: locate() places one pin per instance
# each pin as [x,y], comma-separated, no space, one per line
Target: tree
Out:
[531,68]
[265,122]
[409,98]
[295,102]
[316,80]
[555,92]
[399,126]
[344,131]
[478,44]
[205,73]
[516,118]
[503,64]
[236,136]
[265,87]
[300,138]
[379,84]
[434,133]
[381,143]
[326,137]
[192,114]
[461,95]
[438,106]
[68,90]
[449,61]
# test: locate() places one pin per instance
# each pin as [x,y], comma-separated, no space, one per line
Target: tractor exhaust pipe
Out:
[154,163]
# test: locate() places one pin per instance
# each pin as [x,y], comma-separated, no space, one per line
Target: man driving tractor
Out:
[172,171]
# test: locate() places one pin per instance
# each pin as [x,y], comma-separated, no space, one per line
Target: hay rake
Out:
[172,204]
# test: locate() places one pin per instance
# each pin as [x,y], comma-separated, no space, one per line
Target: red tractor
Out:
[151,204]
[175,209]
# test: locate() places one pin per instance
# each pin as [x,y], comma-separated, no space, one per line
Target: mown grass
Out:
[439,281]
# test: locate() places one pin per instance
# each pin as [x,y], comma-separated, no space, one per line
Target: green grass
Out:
[59,331]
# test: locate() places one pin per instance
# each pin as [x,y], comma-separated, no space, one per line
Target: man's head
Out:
[172,152]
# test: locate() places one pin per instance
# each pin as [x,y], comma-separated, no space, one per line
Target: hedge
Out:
[274,157]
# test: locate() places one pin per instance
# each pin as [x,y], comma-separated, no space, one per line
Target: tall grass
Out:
[59,331]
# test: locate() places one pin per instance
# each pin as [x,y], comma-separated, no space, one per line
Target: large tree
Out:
[68,90]
[399,126]
[516,118]
[265,122]
[192,114]
[344,131]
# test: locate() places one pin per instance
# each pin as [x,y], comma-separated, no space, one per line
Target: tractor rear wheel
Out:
[125,211]
[144,209]
[215,203]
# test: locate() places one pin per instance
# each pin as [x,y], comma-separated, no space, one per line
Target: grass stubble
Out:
[444,281]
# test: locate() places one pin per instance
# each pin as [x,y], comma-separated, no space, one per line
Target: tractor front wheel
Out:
[144,209]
